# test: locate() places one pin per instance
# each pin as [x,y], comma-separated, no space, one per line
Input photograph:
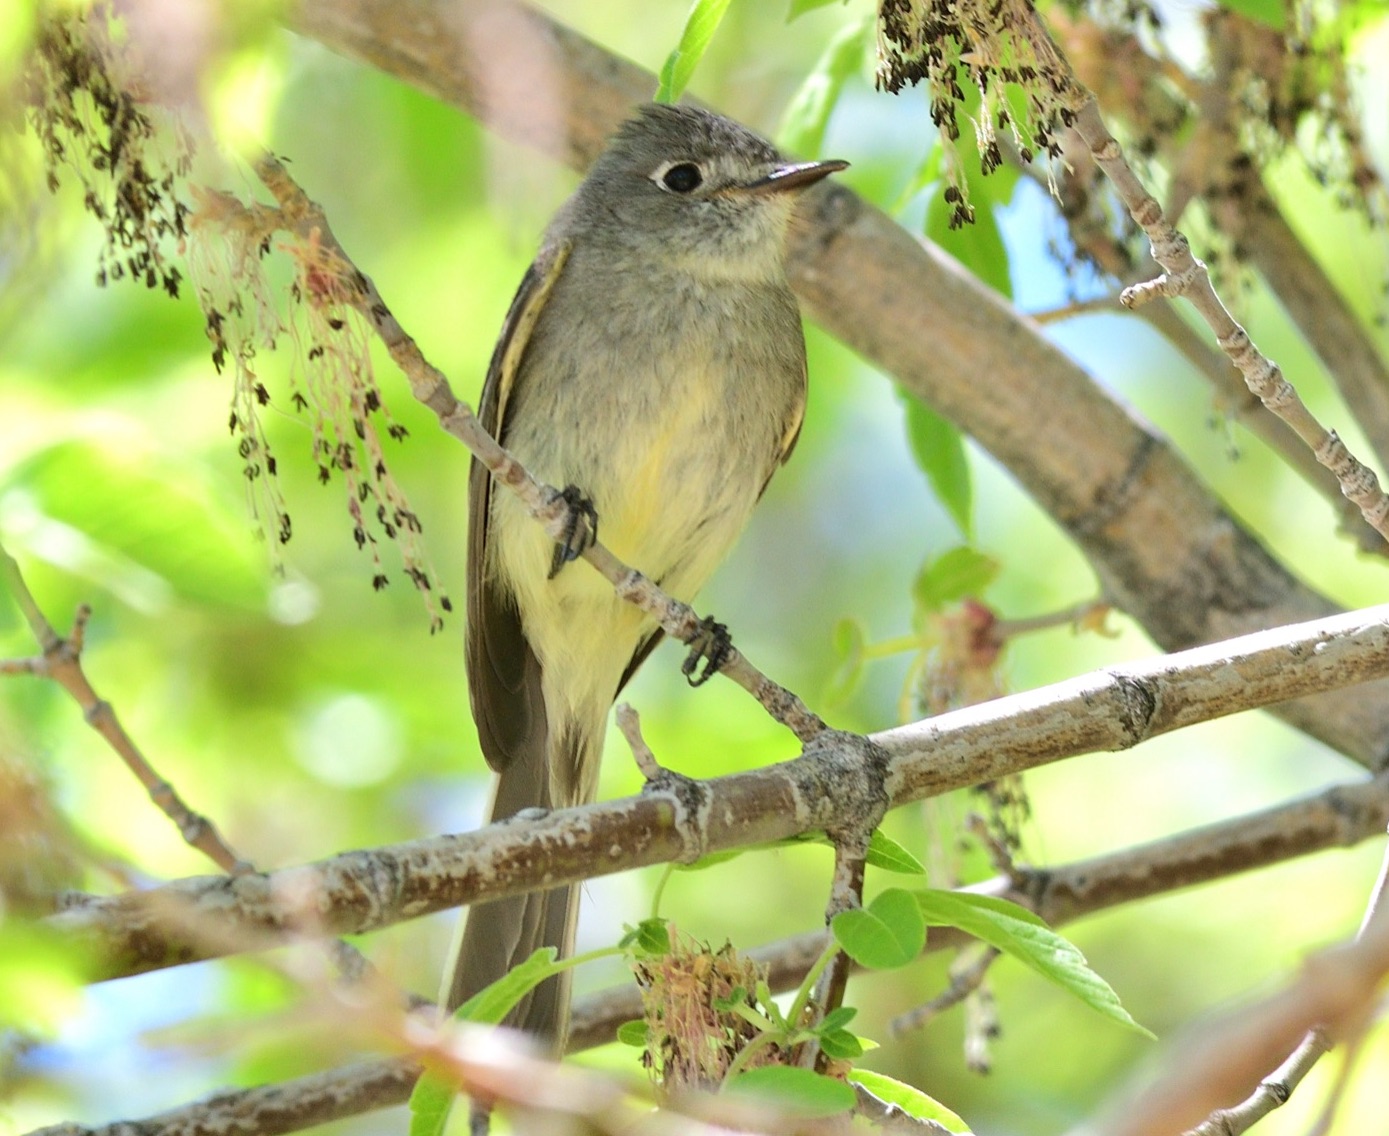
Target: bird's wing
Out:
[503,672]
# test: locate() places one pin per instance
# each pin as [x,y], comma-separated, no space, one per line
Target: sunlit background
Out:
[308,714]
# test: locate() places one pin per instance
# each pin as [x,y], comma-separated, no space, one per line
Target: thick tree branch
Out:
[1112,709]
[1164,549]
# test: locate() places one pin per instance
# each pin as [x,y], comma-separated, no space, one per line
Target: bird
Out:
[653,363]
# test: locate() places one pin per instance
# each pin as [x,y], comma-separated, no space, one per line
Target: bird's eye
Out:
[683,177]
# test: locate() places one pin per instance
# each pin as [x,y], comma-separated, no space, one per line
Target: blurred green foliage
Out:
[308,714]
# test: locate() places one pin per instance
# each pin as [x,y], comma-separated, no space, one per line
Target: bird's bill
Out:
[796,176]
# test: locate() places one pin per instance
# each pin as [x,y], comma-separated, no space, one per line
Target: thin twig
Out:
[629,723]
[61,661]
[964,981]
[1184,275]
[1275,1089]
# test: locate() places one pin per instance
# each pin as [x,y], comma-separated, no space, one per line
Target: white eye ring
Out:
[679,177]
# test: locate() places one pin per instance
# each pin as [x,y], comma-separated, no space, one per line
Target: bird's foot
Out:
[580,528]
[712,644]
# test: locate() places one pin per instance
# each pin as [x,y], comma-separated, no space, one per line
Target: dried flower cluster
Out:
[694,1032]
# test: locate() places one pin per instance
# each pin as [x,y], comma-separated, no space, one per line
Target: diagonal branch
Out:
[61,661]
[338,282]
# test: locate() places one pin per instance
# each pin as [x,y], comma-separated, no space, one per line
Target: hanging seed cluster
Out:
[1293,89]
[83,101]
[92,126]
[332,381]
[989,45]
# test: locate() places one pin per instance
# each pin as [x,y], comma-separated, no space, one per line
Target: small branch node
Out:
[1109,150]
[1171,247]
[629,722]
[77,639]
[1160,287]
[98,713]
[1148,213]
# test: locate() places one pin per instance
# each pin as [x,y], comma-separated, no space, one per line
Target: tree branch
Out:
[1337,817]
[1111,709]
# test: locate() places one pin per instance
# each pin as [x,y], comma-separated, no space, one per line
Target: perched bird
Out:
[653,362]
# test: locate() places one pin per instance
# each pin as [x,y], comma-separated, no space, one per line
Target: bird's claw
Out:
[580,528]
[712,644]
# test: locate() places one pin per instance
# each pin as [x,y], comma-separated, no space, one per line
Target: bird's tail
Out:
[498,935]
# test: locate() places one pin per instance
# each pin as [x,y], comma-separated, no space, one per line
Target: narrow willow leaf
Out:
[492,1003]
[978,246]
[800,1092]
[700,26]
[801,7]
[939,449]
[1018,932]
[802,128]
[886,853]
[909,1099]
[432,1098]
[431,1101]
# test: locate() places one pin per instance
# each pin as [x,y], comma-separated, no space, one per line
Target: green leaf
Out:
[492,1003]
[840,1045]
[978,246]
[1018,932]
[151,523]
[801,7]
[1270,13]
[838,1018]
[431,1101]
[888,933]
[42,978]
[910,1100]
[954,574]
[939,449]
[650,937]
[800,1092]
[849,641]
[700,26]
[432,1098]
[633,1033]
[802,128]
[926,172]
[886,853]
